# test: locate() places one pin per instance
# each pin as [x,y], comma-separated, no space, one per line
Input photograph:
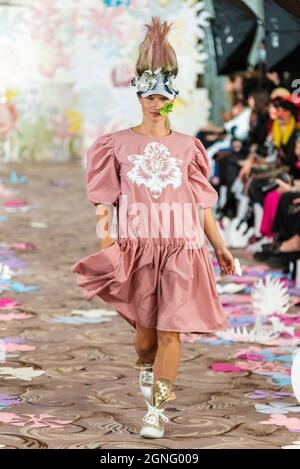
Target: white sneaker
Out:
[146,380]
[154,422]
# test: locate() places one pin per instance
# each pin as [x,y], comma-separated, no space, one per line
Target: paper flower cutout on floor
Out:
[241,321]
[59,183]
[33,420]
[258,394]
[250,356]
[14,178]
[242,334]
[19,287]
[282,329]
[226,368]
[233,299]
[251,353]
[7,401]
[23,246]
[15,344]
[289,320]
[14,316]
[94,312]
[38,224]
[8,303]
[5,272]
[230,288]
[269,356]
[92,316]
[17,206]
[15,263]
[294,445]
[280,379]
[24,374]
[291,423]
[277,408]
[259,334]
[207,340]
[262,368]
[295,375]
[270,296]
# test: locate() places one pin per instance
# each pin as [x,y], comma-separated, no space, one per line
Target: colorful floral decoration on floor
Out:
[33,420]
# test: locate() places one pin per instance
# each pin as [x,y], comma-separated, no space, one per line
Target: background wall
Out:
[67,68]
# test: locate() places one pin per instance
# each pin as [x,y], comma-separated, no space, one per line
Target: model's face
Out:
[151,106]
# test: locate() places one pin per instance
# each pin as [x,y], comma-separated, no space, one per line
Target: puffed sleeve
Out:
[199,173]
[102,172]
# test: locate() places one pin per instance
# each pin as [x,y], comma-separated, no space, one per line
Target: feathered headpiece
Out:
[156,67]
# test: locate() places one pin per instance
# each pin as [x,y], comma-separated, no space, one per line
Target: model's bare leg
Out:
[145,342]
[167,358]
[165,370]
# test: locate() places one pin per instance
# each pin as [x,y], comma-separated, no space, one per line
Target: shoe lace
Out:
[154,414]
[147,377]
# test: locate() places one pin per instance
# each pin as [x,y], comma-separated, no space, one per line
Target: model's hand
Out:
[105,242]
[225,260]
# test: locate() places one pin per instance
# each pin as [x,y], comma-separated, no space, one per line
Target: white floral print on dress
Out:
[156,169]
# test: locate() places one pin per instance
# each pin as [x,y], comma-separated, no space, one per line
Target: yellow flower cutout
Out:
[10,94]
[75,121]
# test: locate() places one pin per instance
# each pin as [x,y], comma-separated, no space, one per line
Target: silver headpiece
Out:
[156,82]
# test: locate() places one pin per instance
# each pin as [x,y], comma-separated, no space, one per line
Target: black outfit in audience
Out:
[287,219]
[286,158]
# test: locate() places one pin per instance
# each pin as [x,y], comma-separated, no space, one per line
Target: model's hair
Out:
[155,51]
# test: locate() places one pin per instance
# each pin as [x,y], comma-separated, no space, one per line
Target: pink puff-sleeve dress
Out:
[155,274]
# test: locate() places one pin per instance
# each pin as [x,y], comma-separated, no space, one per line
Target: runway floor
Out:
[68,381]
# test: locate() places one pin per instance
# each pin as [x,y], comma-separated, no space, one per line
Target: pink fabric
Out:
[270,207]
[155,281]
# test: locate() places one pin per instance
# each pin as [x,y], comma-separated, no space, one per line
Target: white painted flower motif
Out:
[156,169]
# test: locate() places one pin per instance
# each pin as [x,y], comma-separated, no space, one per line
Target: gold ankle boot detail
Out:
[162,392]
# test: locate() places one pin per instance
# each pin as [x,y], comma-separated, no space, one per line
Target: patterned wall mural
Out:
[66,70]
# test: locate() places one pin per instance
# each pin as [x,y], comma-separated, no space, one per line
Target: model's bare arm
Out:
[104,214]
[223,255]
